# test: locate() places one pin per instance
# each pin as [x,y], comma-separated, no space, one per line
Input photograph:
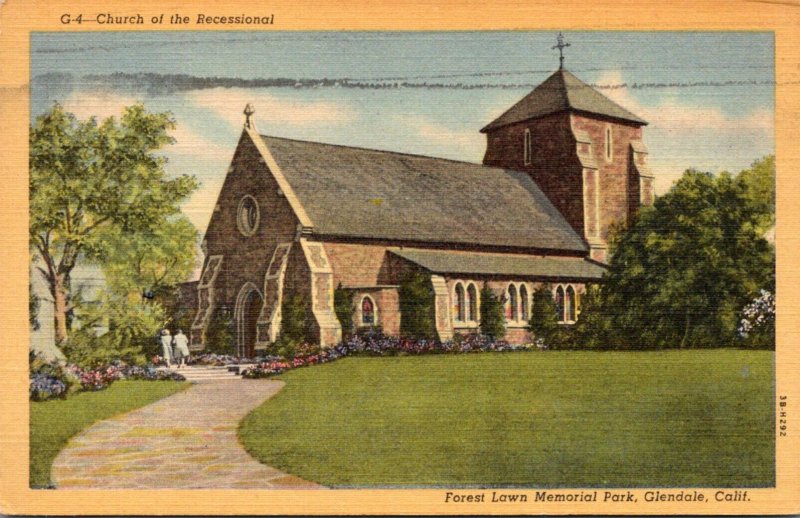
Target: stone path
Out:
[185,441]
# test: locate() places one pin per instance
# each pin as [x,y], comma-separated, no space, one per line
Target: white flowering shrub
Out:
[757,325]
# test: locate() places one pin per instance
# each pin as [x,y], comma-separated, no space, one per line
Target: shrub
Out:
[293,319]
[544,320]
[220,332]
[493,320]
[377,344]
[593,329]
[417,306]
[757,324]
[50,379]
[343,306]
[131,328]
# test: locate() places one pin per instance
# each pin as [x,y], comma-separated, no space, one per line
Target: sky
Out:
[708,97]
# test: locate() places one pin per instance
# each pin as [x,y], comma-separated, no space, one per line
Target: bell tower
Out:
[584,151]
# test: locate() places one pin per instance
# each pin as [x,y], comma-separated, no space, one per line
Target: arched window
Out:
[523,303]
[570,316]
[512,303]
[367,311]
[459,308]
[472,303]
[609,144]
[560,303]
[528,147]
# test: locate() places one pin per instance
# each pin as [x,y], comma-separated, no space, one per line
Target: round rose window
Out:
[248,216]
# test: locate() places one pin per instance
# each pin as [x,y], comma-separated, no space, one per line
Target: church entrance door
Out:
[248,308]
[252,307]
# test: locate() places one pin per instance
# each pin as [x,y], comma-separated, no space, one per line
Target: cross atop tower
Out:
[560,46]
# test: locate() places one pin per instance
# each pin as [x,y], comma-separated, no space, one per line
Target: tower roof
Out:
[560,92]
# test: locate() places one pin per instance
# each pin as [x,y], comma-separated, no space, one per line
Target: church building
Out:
[295,217]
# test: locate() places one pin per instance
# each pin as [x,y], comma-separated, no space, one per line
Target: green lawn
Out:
[54,422]
[553,419]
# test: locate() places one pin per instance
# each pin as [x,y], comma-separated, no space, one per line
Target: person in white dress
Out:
[166,347]
[180,348]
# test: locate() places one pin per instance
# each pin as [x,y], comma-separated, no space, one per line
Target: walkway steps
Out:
[203,373]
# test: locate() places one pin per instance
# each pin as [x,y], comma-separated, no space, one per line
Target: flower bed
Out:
[52,380]
[380,345]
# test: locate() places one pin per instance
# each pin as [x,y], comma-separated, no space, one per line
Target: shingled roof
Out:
[444,261]
[560,92]
[365,193]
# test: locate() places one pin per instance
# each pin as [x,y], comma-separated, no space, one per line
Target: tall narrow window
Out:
[528,147]
[472,303]
[459,308]
[512,303]
[570,316]
[609,144]
[560,303]
[367,311]
[523,303]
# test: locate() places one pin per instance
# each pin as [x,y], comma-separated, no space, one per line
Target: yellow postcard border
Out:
[18,18]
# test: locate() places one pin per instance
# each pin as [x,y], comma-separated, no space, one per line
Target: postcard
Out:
[405,259]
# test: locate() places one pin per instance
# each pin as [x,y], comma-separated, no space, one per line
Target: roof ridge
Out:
[554,95]
[593,89]
[390,152]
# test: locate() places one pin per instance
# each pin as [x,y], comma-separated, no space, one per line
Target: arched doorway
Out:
[248,308]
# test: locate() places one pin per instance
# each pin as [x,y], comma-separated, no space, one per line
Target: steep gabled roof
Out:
[364,193]
[560,92]
[446,261]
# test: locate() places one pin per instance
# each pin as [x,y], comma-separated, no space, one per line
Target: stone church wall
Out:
[554,164]
[617,201]
[246,257]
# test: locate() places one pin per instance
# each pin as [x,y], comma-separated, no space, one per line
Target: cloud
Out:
[229,103]
[100,104]
[683,135]
[190,143]
[437,134]
[671,113]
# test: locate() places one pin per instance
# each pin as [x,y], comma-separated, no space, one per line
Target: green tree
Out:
[543,323]
[758,184]
[680,274]
[86,176]
[151,260]
[132,331]
[294,327]
[493,319]
[417,312]
[343,306]
[220,335]
[593,326]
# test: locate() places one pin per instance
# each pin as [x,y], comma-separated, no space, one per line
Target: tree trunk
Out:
[59,290]
[686,328]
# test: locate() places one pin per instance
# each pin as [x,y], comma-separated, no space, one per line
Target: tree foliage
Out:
[758,184]
[132,332]
[417,312]
[593,327]
[681,273]
[493,319]
[294,328]
[152,260]
[343,306]
[220,332]
[544,319]
[87,178]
